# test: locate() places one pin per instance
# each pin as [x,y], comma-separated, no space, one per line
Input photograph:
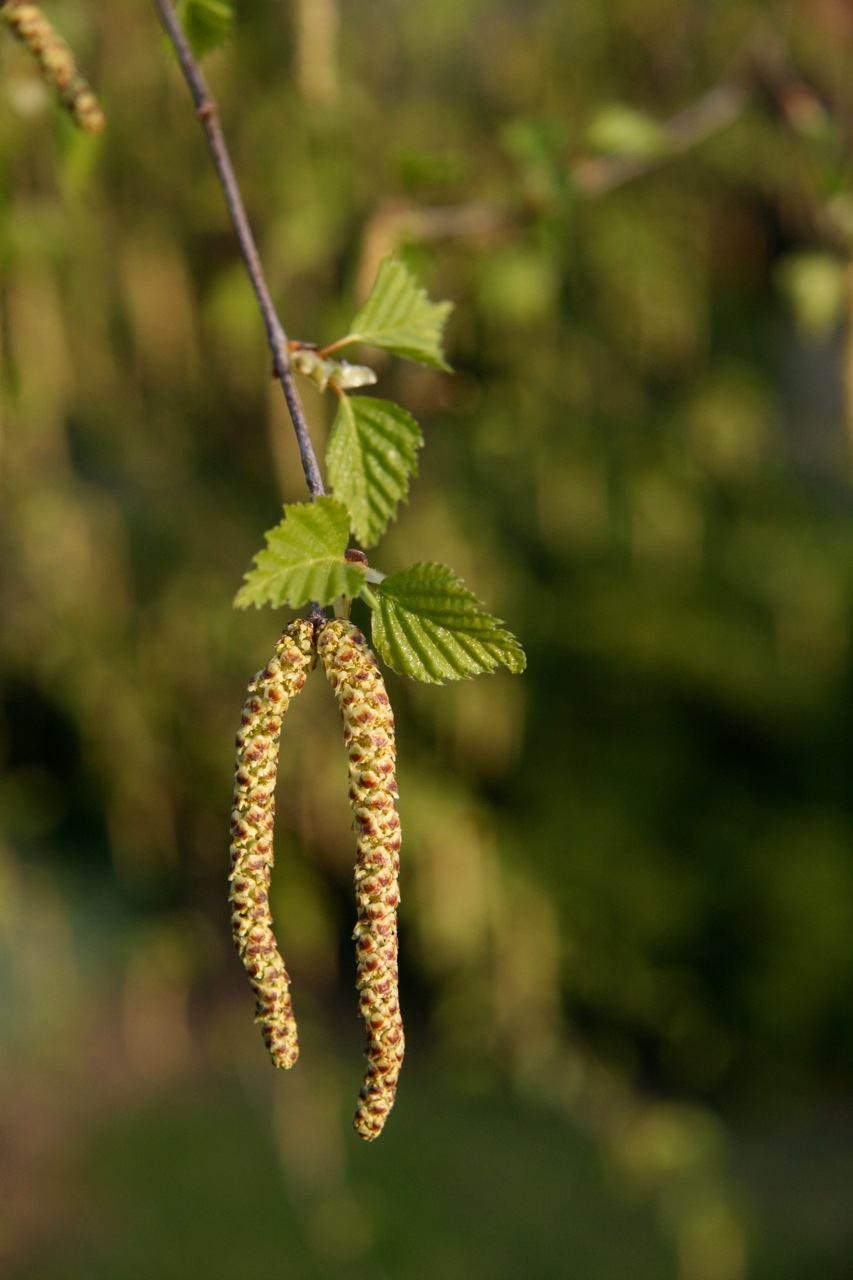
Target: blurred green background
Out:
[627,922]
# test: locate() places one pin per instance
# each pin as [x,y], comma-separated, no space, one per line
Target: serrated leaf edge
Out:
[403,350]
[502,649]
[352,574]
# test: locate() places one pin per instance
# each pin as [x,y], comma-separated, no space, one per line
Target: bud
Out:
[252,820]
[354,675]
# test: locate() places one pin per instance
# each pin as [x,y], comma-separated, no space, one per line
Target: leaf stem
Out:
[337,345]
[208,116]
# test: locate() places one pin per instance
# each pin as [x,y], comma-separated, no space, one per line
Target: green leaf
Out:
[304,559]
[372,453]
[399,317]
[207,23]
[428,625]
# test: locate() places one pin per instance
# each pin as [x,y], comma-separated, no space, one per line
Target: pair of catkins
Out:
[368,723]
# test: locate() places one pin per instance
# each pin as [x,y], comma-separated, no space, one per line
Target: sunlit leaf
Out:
[428,625]
[303,560]
[372,454]
[399,317]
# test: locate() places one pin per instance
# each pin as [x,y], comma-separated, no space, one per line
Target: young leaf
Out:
[303,559]
[207,23]
[399,317]
[428,625]
[311,364]
[372,453]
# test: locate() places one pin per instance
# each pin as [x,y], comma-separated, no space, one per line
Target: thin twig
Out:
[208,116]
[711,113]
[395,222]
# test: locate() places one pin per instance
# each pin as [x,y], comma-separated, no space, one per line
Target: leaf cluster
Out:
[426,623]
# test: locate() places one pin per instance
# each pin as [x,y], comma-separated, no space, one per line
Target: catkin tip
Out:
[368,724]
[252,819]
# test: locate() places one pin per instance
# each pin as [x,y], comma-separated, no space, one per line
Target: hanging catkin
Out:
[252,819]
[56,62]
[369,739]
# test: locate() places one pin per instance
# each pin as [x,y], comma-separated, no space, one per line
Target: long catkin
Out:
[369,739]
[252,819]
[56,62]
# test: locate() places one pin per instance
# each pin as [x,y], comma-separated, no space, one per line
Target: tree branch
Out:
[396,221]
[711,113]
[277,338]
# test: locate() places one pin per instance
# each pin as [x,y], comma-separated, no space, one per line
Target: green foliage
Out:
[208,23]
[399,317]
[428,625]
[303,560]
[371,455]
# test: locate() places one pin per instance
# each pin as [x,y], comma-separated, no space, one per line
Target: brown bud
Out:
[369,736]
[252,818]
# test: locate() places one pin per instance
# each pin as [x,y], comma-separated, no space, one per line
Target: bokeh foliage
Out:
[628,880]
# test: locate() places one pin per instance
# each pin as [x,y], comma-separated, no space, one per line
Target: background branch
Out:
[397,221]
[207,113]
[715,110]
